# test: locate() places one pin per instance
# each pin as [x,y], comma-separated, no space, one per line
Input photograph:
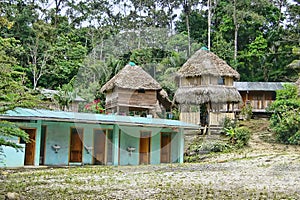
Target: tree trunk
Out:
[208,23]
[188,31]
[236,28]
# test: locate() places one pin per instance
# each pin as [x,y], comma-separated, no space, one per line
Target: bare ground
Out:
[264,170]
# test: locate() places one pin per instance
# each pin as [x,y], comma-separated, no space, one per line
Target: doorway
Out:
[76,145]
[29,147]
[145,142]
[103,146]
[165,148]
[99,147]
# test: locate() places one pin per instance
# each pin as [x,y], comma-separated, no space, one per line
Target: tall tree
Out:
[12,92]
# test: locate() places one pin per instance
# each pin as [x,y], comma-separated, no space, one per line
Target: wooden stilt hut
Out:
[206,94]
[134,92]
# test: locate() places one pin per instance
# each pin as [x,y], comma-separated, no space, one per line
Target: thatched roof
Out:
[132,77]
[204,62]
[204,94]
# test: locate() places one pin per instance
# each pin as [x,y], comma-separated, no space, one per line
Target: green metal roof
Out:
[258,86]
[49,115]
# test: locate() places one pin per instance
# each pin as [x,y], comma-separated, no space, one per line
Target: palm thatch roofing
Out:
[204,94]
[204,62]
[132,77]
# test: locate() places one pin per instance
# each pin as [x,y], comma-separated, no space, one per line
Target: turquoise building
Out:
[68,138]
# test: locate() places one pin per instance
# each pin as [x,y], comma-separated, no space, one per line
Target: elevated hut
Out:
[134,92]
[206,94]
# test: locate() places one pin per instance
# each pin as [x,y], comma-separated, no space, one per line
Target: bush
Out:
[238,136]
[246,112]
[242,136]
[285,120]
[228,124]
[214,147]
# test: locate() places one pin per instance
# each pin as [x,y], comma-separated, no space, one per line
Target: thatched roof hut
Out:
[133,89]
[206,64]
[204,94]
[132,77]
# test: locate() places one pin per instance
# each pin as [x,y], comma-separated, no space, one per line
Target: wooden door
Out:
[145,148]
[76,145]
[30,147]
[99,147]
[165,148]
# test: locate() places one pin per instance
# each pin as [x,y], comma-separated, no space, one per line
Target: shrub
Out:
[215,147]
[228,124]
[238,136]
[285,120]
[242,136]
[295,139]
[246,112]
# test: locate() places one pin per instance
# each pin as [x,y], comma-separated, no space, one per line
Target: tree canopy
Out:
[13,93]
[92,40]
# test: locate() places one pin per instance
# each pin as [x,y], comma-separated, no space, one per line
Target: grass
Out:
[128,182]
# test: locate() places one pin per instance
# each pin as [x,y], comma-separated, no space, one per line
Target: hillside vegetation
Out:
[262,142]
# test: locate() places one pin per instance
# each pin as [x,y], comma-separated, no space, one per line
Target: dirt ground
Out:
[264,170]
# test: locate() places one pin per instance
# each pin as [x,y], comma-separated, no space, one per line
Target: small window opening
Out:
[141,90]
[221,81]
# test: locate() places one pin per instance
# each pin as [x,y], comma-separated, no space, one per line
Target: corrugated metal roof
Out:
[50,94]
[258,86]
[36,114]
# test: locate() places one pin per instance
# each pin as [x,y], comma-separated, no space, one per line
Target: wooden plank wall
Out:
[190,117]
[131,97]
[135,98]
[217,119]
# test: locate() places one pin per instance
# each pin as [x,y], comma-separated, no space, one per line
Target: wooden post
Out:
[208,112]
[116,145]
[181,145]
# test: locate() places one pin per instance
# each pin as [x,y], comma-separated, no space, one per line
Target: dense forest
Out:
[73,45]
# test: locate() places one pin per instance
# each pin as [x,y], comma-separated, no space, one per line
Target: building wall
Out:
[12,156]
[127,98]
[259,100]
[58,133]
[205,80]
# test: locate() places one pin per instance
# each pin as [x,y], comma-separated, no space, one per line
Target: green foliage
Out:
[66,94]
[215,147]
[13,93]
[229,123]
[8,132]
[242,136]
[175,114]
[285,120]
[246,111]
[238,136]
